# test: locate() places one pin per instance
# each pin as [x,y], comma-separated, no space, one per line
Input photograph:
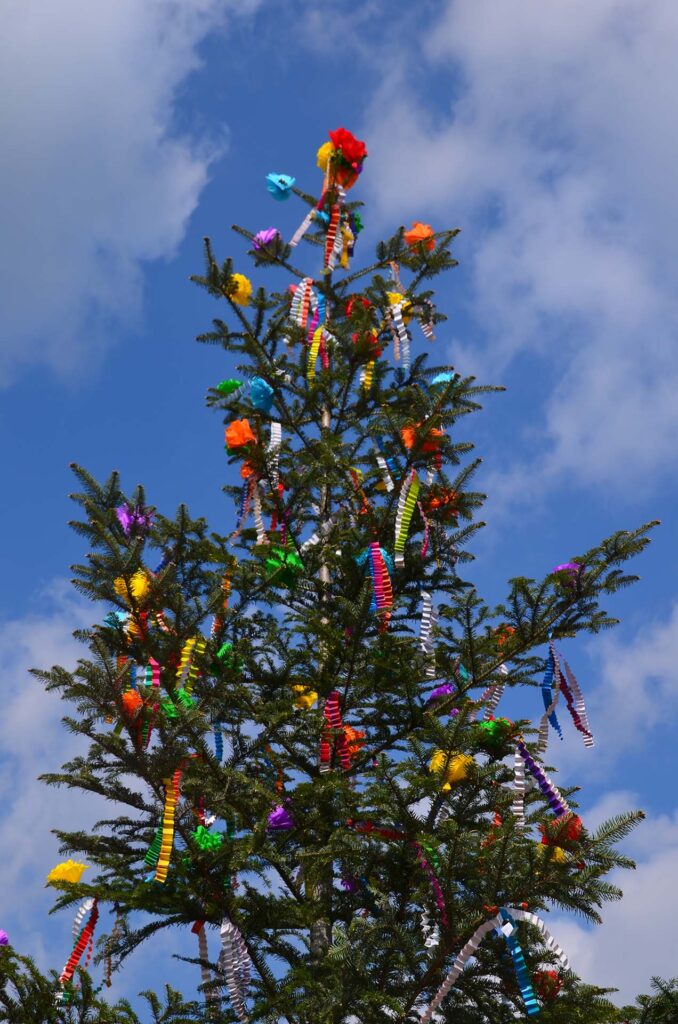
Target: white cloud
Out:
[555,153]
[95,178]
[636,939]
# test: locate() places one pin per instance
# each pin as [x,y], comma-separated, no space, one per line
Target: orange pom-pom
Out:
[238,434]
[430,441]
[131,702]
[420,234]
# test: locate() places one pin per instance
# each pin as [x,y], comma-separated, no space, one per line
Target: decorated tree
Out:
[300,731]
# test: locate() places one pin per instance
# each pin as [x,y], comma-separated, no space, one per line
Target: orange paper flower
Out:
[431,443]
[420,234]
[131,702]
[355,738]
[238,434]
[504,634]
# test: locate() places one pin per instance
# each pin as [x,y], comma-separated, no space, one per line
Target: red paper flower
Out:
[353,150]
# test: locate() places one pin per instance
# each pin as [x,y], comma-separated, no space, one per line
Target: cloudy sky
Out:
[544,131]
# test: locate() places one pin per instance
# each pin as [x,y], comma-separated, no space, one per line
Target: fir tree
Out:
[292,728]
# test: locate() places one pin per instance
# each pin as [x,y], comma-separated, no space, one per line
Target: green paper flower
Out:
[284,566]
[205,839]
[227,387]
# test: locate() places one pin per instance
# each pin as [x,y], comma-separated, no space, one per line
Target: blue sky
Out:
[544,132]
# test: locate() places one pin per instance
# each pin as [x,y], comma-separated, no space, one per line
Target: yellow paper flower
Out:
[305,698]
[240,289]
[394,298]
[137,585]
[67,871]
[324,155]
[454,766]
[558,854]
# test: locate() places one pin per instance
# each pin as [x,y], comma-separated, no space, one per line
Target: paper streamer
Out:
[313,353]
[428,620]
[302,229]
[218,742]
[333,723]
[385,475]
[167,841]
[187,672]
[273,451]
[235,964]
[304,301]
[262,537]
[381,583]
[367,375]
[556,801]
[85,939]
[520,787]
[471,946]
[550,698]
[82,912]
[573,696]
[331,237]
[522,974]
[434,883]
[199,929]
[407,501]
[243,511]
[430,931]
[403,336]
[427,531]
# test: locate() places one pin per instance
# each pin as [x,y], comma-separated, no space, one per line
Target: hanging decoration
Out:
[85,941]
[428,620]
[381,583]
[407,501]
[235,965]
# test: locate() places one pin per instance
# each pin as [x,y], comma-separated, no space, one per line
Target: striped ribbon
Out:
[407,501]
[428,619]
[556,800]
[82,912]
[550,698]
[235,965]
[273,451]
[188,670]
[333,724]
[85,939]
[522,975]
[303,302]
[575,703]
[403,336]
[167,840]
[385,475]
[381,583]
[331,237]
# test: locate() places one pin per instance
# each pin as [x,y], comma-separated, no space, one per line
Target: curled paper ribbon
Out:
[153,852]
[303,302]
[520,787]
[522,975]
[468,950]
[430,931]
[333,724]
[381,583]
[407,501]
[556,801]
[313,353]
[385,475]
[302,229]
[262,537]
[428,619]
[85,939]
[167,839]
[575,703]
[187,672]
[433,882]
[243,511]
[82,912]
[218,742]
[273,451]
[550,698]
[401,331]
[235,965]
[210,995]
[367,375]
[427,532]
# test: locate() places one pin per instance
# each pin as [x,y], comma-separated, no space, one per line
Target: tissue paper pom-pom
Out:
[239,289]
[279,185]
[324,155]
[355,738]
[280,820]
[227,387]
[431,442]
[206,840]
[503,635]
[265,238]
[557,853]
[284,566]
[4,938]
[305,698]
[353,150]
[238,434]
[420,234]
[442,501]
[138,585]
[547,984]
[67,871]
[454,766]
[442,378]
[440,693]
[131,702]
[261,394]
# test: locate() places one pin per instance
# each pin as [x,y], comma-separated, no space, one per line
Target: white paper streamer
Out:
[210,995]
[302,229]
[519,785]
[430,931]
[235,964]
[262,537]
[428,620]
[386,476]
[403,336]
[472,945]
[82,912]
[579,705]
[273,450]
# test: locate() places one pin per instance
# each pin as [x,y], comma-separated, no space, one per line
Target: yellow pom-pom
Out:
[240,289]
[557,853]
[138,586]
[67,871]
[324,155]
[394,298]
[305,698]
[453,767]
